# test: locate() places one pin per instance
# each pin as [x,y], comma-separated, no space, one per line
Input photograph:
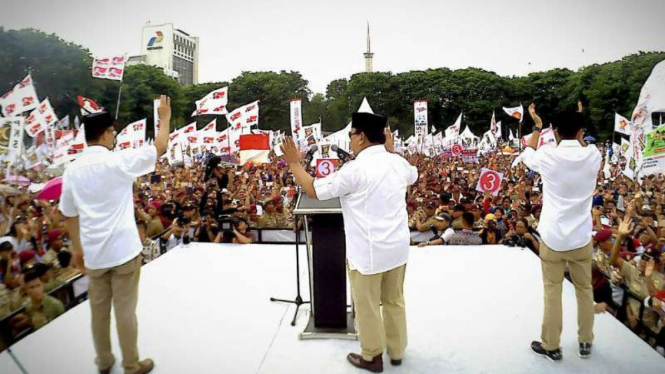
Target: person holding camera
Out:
[441,229]
[238,234]
[522,236]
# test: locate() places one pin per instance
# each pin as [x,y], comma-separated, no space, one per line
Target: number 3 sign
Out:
[325,167]
[490,181]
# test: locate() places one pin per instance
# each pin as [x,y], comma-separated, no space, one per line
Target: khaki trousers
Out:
[369,291]
[579,265]
[119,285]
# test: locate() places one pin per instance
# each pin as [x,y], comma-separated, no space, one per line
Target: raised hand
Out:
[651,264]
[535,116]
[624,226]
[164,110]
[291,152]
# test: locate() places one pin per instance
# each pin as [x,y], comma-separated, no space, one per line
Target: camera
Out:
[515,241]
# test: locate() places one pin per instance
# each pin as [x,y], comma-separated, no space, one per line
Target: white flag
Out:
[420,119]
[132,136]
[213,103]
[312,135]
[40,119]
[452,132]
[19,99]
[245,116]
[112,68]
[516,112]
[622,125]
[11,143]
[155,106]
[625,146]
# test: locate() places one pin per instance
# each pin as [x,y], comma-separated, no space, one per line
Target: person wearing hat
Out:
[425,223]
[97,199]
[569,174]
[490,233]
[270,218]
[443,231]
[371,189]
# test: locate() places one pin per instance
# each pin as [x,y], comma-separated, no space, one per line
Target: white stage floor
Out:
[206,309]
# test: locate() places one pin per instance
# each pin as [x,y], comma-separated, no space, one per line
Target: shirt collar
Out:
[379,148]
[570,143]
[96,149]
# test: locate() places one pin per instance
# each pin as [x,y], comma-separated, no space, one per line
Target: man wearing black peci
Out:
[372,190]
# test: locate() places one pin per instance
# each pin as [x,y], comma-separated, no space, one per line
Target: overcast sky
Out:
[325,40]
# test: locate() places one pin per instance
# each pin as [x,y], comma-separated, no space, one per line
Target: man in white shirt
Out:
[569,171]
[372,191]
[98,203]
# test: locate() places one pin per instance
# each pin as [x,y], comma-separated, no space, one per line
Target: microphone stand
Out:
[298,300]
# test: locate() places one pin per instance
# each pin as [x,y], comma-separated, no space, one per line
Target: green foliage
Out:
[61,69]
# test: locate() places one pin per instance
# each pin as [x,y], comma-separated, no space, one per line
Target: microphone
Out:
[310,155]
[342,154]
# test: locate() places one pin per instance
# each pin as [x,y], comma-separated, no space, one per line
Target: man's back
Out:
[569,173]
[97,188]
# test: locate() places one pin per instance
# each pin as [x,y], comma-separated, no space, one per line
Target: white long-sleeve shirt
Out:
[372,191]
[97,188]
[569,172]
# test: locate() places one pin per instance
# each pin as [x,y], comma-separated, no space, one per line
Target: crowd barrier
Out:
[75,291]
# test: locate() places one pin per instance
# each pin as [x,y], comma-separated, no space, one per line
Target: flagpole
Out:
[117,108]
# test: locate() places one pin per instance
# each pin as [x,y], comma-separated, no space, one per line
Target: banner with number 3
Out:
[325,167]
[489,181]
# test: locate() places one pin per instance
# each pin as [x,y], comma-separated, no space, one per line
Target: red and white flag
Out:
[546,138]
[19,99]
[516,112]
[88,106]
[132,136]
[112,68]
[296,121]
[254,148]
[213,103]
[40,119]
[245,116]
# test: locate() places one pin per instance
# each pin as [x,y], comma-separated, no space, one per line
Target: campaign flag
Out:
[625,146]
[312,135]
[62,148]
[19,99]
[254,148]
[516,112]
[652,99]
[245,116]
[155,114]
[88,106]
[546,138]
[296,121]
[40,119]
[452,132]
[112,68]
[132,136]
[622,125]
[11,140]
[213,103]
[654,152]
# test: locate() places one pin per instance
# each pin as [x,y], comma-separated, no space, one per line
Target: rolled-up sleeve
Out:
[531,159]
[139,162]
[337,184]
[67,206]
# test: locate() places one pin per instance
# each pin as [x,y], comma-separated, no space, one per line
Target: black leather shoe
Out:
[395,362]
[585,350]
[555,355]
[375,366]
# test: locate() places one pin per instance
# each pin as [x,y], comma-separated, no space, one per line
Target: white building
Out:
[172,50]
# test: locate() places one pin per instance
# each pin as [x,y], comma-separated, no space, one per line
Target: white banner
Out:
[214,102]
[452,132]
[40,119]
[652,99]
[132,136]
[311,135]
[11,138]
[19,99]
[112,68]
[296,122]
[155,117]
[420,119]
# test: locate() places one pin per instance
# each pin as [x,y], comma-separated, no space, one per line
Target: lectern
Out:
[326,258]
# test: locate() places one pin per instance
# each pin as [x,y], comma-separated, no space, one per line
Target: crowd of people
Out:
[213,201]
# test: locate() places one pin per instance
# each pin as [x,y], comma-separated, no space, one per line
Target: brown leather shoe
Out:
[146,366]
[375,366]
[107,370]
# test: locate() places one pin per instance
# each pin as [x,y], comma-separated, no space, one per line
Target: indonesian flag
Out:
[517,112]
[88,106]
[452,132]
[112,68]
[213,103]
[19,99]
[245,116]
[254,148]
[622,125]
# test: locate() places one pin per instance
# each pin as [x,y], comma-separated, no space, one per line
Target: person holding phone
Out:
[569,172]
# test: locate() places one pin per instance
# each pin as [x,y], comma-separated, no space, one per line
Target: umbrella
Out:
[589,138]
[52,190]
[17,179]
